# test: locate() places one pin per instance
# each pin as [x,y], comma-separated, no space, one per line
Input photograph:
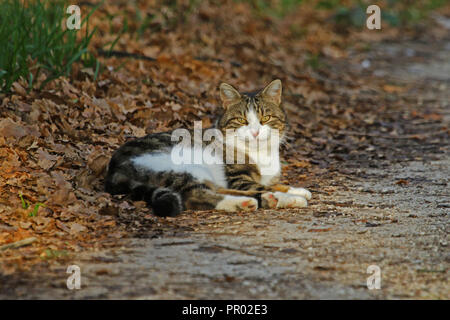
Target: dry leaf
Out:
[76,228]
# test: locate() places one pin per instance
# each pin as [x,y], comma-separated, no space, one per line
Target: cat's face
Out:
[253,117]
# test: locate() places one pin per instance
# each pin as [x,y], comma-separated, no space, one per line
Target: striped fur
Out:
[170,191]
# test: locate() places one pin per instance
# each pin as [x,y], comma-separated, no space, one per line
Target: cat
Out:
[144,167]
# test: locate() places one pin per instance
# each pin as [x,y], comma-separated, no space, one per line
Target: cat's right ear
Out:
[228,94]
[273,91]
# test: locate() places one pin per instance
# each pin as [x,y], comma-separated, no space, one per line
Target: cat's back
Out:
[151,143]
[153,153]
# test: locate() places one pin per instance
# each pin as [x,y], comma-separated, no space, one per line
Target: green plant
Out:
[143,21]
[313,60]
[26,204]
[275,8]
[34,40]
[35,209]
[54,254]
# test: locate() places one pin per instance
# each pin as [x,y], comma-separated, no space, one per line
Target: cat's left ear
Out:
[273,91]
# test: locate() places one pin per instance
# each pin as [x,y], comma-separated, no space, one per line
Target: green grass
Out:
[26,204]
[54,254]
[277,8]
[34,40]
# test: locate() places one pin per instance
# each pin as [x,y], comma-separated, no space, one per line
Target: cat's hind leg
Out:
[282,200]
[237,203]
[207,199]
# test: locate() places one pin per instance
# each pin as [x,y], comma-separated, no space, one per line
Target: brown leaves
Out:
[10,128]
[62,226]
[19,89]
[63,194]
[300,164]
[97,161]
[312,94]
[402,182]
[41,162]
[76,228]
[426,116]
[45,159]
[333,52]
[393,89]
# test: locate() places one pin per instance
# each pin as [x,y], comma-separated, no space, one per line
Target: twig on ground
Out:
[18,244]
[385,136]
[123,54]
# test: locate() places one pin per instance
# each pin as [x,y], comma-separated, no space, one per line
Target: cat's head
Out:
[253,116]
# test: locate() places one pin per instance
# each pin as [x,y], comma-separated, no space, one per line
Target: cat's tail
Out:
[164,201]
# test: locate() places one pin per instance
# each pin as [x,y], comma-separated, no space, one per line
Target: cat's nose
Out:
[255,133]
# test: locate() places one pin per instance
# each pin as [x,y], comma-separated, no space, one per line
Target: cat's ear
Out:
[273,91]
[228,94]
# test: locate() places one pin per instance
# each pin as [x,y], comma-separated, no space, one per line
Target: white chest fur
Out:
[268,164]
[262,147]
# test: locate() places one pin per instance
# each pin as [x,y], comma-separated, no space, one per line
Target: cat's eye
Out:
[265,119]
[242,120]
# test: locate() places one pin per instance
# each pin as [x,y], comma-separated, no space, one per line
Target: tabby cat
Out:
[145,169]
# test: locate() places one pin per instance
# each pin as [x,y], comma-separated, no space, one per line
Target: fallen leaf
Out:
[402,182]
[393,89]
[77,228]
[98,161]
[319,229]
[45,159]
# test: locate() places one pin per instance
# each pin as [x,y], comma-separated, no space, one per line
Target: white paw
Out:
[268,200]
[235,203]
[287,200]
[300,192]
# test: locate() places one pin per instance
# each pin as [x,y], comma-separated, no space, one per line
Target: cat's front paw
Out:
[236,203]
[300,192]
[268,200]
[282,200]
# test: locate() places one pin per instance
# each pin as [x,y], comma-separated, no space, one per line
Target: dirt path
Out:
[392,212]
